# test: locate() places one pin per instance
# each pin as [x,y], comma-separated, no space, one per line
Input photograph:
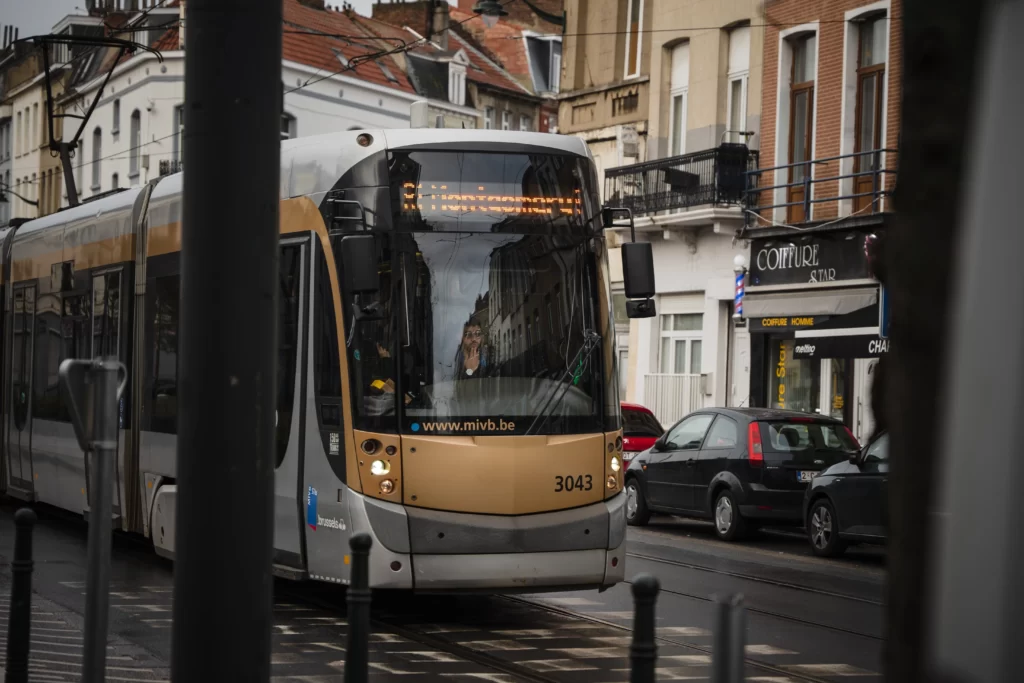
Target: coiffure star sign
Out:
[810,259]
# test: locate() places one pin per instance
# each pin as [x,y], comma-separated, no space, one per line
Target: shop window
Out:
[681,343]
[795,383]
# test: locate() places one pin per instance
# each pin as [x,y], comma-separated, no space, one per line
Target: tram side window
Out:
[46,400]
[164,353]
[327,364]
[287,344]
[24,310]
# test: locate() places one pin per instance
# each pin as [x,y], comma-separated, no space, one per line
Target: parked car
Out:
[737,466]
[640,429]
[848,502]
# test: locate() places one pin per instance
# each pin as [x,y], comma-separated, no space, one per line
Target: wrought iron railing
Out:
[711,176]
[822,189]
[168,167]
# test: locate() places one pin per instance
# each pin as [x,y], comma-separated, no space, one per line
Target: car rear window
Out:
[786,437]
[636,423]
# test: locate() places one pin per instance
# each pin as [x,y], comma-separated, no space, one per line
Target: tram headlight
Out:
[387,486]
[380,467]
[612,481]
[615,464]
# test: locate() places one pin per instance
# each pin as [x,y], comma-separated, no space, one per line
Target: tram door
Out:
[19,431]
[107,290]
[290,404]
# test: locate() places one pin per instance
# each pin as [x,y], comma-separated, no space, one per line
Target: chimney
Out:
[439,24]
[181,25]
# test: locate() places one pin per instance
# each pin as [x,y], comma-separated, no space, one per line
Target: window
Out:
[106,315]
[178,143]
[162,302]
[681,343]
[619,309]
[870,105]
[786,437]
[634,17]
[115,125]
[17,137]
[525,123]
[506,120]
[794,383]
[115,182]
[97,151]
[545,59]
[134,141]
[878,451]
[640,423]
[457,83]
[689,433]
[724,433]
[287,126]
[488,118]
[678,98]
[34,139]
[739,69]
[801,119]
[21,352]
[555,79]
[290,279]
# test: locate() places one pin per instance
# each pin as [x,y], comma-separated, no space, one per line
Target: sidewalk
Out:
[57,639]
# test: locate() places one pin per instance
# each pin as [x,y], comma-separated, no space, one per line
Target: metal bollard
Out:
[728,653]
[643,652]
[20,617]
[358,653]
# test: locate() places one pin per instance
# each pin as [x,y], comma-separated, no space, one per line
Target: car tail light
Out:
[852,437]
[755,454]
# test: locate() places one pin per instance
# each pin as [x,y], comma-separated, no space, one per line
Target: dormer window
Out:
[457,78]
[545,56]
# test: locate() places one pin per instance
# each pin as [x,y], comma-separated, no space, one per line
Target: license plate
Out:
[804,475]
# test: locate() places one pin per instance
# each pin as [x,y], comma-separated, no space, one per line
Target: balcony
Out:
[710,177]
[848,189]
[172,166]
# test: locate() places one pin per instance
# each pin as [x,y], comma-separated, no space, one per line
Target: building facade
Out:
[677,162]
[830,137]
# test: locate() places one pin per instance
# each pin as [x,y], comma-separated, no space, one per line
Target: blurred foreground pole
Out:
[223,588]
[977,561]
[643,652]
[939,42]
[20,614]
[357,655]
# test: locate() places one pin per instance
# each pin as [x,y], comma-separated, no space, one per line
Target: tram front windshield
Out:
[500,265]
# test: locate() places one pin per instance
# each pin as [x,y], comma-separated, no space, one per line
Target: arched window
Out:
[134,140]
[97,154]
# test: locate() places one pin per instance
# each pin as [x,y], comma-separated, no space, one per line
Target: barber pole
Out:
[740,277]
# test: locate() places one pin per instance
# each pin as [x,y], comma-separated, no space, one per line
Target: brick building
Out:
[828,158]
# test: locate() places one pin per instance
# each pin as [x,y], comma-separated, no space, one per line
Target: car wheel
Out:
[729,523]
[823,530]
[637,513]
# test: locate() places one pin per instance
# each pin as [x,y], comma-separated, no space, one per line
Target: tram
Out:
[446,371]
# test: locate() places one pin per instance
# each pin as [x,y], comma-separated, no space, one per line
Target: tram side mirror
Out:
[359,264]
[638,279]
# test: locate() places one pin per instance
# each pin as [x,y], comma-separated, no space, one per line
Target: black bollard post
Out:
[19,620]
[358,654]
[737,639]
[720,641]
[643,653]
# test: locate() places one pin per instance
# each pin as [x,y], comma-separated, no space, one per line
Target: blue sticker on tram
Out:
[311,508]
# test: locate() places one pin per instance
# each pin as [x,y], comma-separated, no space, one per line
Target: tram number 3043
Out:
[581,482]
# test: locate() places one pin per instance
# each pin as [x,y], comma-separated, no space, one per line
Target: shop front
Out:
[812,310]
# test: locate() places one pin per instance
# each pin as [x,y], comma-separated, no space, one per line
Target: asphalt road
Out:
[808,619]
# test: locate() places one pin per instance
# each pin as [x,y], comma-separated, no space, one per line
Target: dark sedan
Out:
[848,502]
[737,466]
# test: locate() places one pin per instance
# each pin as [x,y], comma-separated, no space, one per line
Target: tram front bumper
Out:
[451,551]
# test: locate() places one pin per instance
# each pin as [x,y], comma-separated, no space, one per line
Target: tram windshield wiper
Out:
[570,378]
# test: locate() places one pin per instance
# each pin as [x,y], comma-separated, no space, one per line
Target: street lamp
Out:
[739,266]
[490,11]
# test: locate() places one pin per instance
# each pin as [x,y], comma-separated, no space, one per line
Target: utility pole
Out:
[940,39]
[223,587]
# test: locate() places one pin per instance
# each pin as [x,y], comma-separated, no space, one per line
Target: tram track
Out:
[756,579]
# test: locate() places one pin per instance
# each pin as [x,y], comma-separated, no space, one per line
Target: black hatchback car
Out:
[848,502]
[738,466]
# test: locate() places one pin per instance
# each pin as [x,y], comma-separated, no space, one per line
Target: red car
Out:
[640,429]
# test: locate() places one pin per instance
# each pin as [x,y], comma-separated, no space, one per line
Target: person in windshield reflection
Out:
[471,358]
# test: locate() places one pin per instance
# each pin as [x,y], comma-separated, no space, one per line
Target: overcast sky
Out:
[34,17]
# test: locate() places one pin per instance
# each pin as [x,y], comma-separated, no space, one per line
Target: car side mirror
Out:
[854,458]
